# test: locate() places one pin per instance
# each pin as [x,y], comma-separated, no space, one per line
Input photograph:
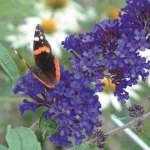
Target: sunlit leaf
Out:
[21,138]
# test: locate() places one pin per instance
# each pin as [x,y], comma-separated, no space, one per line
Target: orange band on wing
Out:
[42,49]
[56,62]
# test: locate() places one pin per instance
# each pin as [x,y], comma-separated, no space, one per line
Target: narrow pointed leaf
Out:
[8,64]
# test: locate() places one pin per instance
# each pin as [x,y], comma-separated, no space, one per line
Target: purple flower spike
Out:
[111,50]
[139,34]
[74,106]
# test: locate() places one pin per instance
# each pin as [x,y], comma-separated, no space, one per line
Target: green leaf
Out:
[93,147]
[8,64]
[3,147]
[101,57]
[17,1]
[47,127]
[21,138]
[85,146]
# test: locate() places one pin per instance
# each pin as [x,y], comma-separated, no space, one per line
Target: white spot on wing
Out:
[36,38]
[41,37]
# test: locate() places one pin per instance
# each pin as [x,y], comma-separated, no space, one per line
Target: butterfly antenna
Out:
[22,59]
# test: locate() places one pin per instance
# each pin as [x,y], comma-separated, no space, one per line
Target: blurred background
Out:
[60,18]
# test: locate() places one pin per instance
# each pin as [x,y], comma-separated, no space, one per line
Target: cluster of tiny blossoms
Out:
[111,50]
[136,111]
[74,107]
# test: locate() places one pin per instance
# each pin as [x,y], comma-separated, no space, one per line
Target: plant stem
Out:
[129,124]
[34,126]
[117,130]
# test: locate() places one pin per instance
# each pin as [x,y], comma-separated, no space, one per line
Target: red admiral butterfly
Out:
[47,69]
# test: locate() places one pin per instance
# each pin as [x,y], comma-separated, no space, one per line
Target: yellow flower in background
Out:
[49,25]
[113,13]
[55,4]
[109,86]
[107,97]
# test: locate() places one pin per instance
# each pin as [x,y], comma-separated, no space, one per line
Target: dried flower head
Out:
[136,110]
[99,137]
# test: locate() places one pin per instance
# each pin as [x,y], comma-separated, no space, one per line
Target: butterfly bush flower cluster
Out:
[74,107]
[112,50]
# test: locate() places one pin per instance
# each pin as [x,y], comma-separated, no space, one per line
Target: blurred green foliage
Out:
[12,12]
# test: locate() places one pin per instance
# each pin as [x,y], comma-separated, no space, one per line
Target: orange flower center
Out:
[109,86]
[56,3]
[49,25]
[113,13]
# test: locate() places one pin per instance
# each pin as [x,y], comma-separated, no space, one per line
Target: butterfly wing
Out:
[48,64]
